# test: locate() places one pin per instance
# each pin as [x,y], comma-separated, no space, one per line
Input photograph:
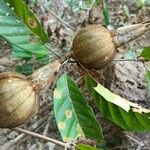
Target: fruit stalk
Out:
[44,75]
[130,32]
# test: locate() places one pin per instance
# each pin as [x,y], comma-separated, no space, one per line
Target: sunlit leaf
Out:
[125,114]
[75,119]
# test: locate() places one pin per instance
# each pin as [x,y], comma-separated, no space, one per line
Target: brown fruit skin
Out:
[19,94]
[18,100]
[93,47]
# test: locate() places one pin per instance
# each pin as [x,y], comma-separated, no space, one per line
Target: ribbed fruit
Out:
[93,47]
[19,95]
[17,99]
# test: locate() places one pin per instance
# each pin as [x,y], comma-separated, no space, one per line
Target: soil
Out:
[129,82]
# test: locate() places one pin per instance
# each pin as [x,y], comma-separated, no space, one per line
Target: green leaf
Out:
[146,53]
[77,5]
[126,11]
[105,13]
[27,16]
[88,4]
[148,79]
[97,2]
[85,147]
[22,40]
[75,119]
[140,3]
[125,114]
[24,69]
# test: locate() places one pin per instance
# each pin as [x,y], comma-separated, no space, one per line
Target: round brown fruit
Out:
[93,47]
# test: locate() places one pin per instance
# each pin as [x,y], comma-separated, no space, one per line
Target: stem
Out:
[43,137]
[130,32]
[58,18]
[57,55]
[47,74]
[142,60]
[35,127]
[133,139]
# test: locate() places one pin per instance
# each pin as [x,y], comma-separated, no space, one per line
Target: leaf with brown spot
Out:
[74,117]
[27,16]
[25,43]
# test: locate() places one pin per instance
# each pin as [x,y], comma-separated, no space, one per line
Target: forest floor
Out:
[129,78]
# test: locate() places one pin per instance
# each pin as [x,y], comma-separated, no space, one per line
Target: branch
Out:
[57,55]
[35,127]
[67,146]
[58,18]
[136,141]
[142,60]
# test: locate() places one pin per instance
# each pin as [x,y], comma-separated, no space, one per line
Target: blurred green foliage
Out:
[140,3]
[77,5]
[106,18]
